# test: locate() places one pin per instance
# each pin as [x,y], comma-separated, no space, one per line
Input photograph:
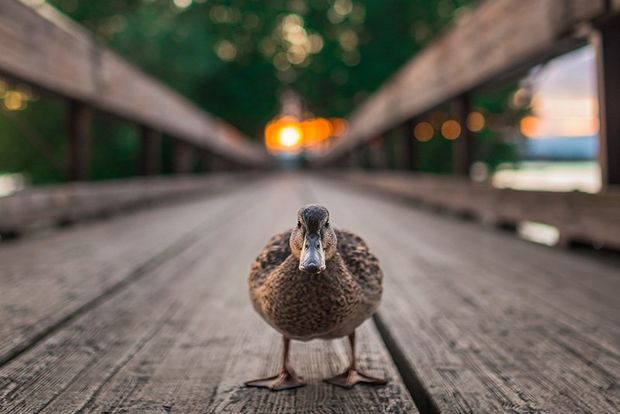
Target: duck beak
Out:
[312,259]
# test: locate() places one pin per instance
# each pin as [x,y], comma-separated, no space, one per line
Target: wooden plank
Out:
[584,217]
[497,37]
[487,322]
[184,338]
[149,162]
[409,158]
[45,206]
[608,60]
[41,47]
[47,279]
[463,145]
[182,157]
[78,133]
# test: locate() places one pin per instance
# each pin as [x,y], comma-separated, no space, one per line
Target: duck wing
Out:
[273,254]
[363,265]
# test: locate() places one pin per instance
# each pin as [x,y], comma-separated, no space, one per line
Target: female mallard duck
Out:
[315,282]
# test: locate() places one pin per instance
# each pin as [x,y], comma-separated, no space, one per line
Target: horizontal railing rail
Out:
[495,39]
[41,47]
[68,203]
[578,216]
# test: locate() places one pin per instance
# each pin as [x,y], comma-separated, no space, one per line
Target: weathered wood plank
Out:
[497,37]
[149,162]
[47,279]
[66,203]
[607,43]
[490,323]
[579,216]
[43,48]
[184,338]
[78,133]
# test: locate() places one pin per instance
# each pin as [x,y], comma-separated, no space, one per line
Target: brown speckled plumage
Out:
[330,304]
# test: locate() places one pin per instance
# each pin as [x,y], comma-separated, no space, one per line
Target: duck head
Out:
[313,240]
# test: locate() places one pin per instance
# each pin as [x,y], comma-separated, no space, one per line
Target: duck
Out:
[315,282]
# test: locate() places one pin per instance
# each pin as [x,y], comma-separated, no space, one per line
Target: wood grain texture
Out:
[45,280]
[490,323]
[43,206]
[583,217]
[495,38]
[42,47]
[184,337]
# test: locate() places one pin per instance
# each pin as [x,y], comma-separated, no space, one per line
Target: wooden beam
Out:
[78,135]
[463,146]
[45,49]
[150,152]
[408,146]
[578,216]
[496,38]
[378,154]
[607,44]
[205,161]
[182,157]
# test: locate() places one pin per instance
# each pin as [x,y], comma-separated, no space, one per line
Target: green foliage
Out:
[364,42]
[233,57]
[33,141]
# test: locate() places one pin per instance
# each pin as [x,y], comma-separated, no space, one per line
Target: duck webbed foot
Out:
[353,375]
[285,380]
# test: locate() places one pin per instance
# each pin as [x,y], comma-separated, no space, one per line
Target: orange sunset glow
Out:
[288,134]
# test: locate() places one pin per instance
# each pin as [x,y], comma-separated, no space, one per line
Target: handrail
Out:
[41,47]
[496,38]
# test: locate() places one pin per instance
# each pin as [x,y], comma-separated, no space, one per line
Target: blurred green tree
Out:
[232,57]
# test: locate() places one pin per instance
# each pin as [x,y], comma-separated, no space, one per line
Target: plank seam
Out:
[421,396]
[182,244]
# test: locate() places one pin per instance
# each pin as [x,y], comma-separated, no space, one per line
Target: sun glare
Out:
[290,136]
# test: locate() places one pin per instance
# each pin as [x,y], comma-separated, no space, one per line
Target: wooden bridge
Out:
[141,304]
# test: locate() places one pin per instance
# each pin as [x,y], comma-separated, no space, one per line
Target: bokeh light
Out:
[475,121]
[288,134]
[451,129]
[423,131]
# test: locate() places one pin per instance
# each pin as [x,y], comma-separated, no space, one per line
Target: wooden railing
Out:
[579,217]
[498,40]
[42,48]
[52,205]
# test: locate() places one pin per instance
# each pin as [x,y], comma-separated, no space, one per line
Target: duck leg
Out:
[286,379]
[352,375]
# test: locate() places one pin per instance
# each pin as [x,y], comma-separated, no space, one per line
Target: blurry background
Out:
[266,66]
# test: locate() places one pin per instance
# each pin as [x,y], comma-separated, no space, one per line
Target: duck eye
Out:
[298,223]
[327,223]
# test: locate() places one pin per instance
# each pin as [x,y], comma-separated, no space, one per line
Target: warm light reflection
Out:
[423,131]
[288,134]
[451,129]
[475,121]
[14,101]
[564,101]
[529,126]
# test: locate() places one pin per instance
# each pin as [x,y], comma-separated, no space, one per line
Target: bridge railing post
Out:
[205,161]
[607,44]
[378,154]
[404,146]
[463,145]
[78,134]
[182,157]
[149,162]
